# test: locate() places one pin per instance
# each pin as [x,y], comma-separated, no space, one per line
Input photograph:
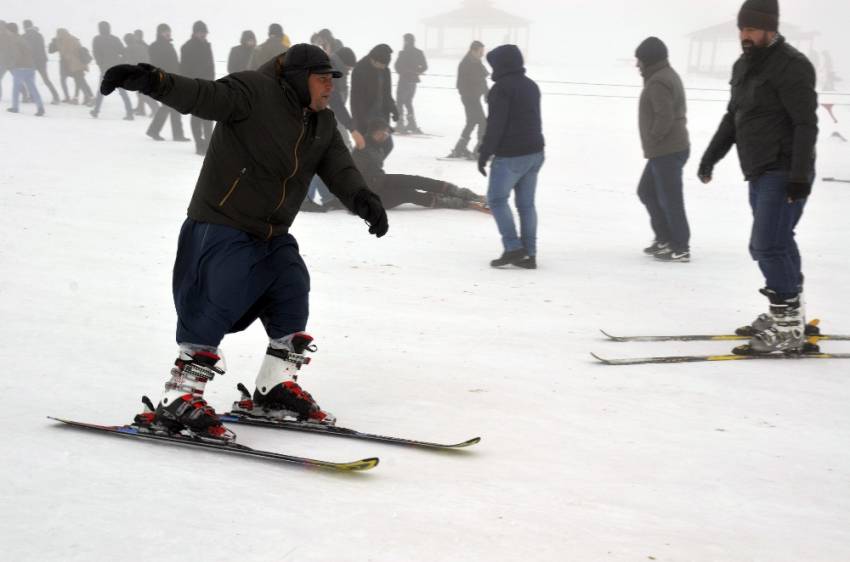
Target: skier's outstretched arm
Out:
[227,99]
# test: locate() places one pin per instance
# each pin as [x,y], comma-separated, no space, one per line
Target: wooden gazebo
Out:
[715,48]
[450,34]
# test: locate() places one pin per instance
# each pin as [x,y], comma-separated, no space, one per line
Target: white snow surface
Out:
[419,337]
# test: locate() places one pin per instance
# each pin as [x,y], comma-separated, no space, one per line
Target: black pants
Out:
[42,71]
[201,132]
[163,113]
[660,190]
[143,101]
[397,189]
[405,91]
[475,117]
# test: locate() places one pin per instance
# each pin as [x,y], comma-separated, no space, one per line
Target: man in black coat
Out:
[371,91]
[772,120]
[137,51]
[240,55]
[39,54]
[196,61]
[275,45]
[108,51]
[164,56]
[472,86]
[409,65]
[515,137]
[236,260]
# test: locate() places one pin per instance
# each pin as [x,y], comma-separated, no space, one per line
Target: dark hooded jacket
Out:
[196,59]
[772,115]
[410,63]
[270,48]
[107,49]
[265,148]
[240,55]
[163,55]
[371,94]
[513,123]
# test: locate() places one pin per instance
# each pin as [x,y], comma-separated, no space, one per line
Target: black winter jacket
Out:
[265,149]
[371,95]
[107,51]
[239,59]
[513,122]
[196,59]
[35,41]
[163,55]
[410,64]
[472,77]
[772,115]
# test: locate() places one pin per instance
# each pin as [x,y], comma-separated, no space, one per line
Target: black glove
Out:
[482,164]
[368,207]
[797,190]
[705,170]
[140,77]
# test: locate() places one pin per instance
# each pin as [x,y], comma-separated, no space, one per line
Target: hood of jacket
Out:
[506,59]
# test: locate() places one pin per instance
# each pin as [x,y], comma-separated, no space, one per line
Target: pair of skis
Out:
[812,339]
[192,440]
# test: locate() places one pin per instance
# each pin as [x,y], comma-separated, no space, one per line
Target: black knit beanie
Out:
[759,14]
[652,50]
[199,27]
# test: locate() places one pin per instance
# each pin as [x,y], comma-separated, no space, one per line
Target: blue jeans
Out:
[515,173]
[24,77]
[225,279]
[317,186]
[772,242]
[660,190]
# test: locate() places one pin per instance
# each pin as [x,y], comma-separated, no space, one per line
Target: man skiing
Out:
[664,137]
[236,260]
[772,120]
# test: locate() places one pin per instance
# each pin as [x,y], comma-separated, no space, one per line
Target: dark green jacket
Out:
[663,111]
[264,150]
[772,115]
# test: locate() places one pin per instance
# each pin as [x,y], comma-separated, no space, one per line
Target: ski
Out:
[293,425]
[243,410]
[838,180]
[725,357]
[716,337]
[448,159]
[137,433]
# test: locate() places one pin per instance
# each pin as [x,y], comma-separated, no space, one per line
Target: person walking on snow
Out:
[109,51]
[196,61]
[23,71]
[163,55]
[472,87]
[515,137]
[772,120]
[236,258]
[410,65]
[664,137]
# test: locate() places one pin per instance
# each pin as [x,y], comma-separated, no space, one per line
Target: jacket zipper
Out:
[232,188]
[294,171]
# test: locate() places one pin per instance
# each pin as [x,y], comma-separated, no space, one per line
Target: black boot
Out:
[513,257]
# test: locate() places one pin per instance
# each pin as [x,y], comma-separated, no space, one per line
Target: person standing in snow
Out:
[137,51]
[23,71]
[371,91]
[276,44]
[472,87]
[240,55]
[36,44]
[772,120]
[196,61]
[664,138]
[164,56]
[236,259]
[108,51]
[74,62]
[410,65]
[515,137]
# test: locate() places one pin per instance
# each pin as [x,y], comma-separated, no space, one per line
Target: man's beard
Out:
[748,46]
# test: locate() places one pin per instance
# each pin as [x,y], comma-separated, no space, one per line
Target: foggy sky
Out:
[568,33]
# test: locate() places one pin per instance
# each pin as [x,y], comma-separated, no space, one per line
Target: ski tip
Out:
[467,443]
[609,336]
[600,359]
[364,464]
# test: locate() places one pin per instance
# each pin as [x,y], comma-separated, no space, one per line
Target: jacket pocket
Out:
[232,187]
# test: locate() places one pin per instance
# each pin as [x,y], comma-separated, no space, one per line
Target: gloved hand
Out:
[140,77]
[797,190]
[368,207]
[704,172]
[482,164]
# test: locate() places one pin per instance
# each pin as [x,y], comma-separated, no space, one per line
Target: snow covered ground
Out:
[418,337]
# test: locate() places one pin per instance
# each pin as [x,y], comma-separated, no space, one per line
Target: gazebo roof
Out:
[726,32]
[476,13]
